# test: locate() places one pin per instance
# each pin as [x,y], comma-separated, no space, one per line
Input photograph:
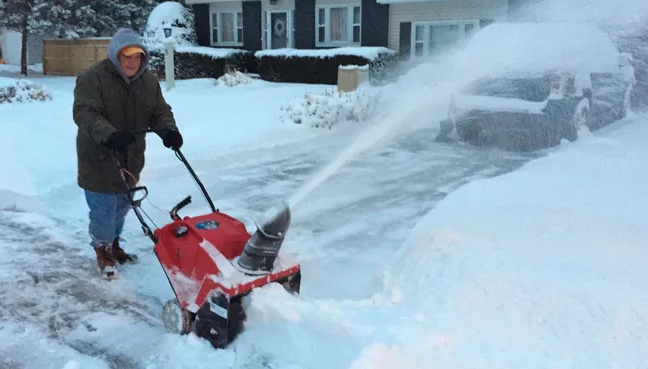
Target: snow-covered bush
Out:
[23,91]
[176,15]
[181,20]
[331,108]
[234,78]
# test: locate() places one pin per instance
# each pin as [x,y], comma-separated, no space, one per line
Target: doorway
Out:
[278,29]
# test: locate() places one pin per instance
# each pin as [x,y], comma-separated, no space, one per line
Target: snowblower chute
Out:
[212,262]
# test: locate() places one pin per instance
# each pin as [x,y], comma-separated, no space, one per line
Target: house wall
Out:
[281,5]
[11,43]
[374,26]
[441,10]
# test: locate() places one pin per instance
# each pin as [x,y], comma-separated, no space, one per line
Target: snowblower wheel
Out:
[176,319]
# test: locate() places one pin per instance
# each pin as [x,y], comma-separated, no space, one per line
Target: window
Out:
[227,28]
[338,25]
[431,39]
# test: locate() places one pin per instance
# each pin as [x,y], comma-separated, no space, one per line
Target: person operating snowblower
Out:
[113,99]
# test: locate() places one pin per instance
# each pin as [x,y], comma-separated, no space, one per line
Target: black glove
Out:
[119,141]
[172,139]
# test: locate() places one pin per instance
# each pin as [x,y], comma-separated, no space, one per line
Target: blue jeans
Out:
[107,215]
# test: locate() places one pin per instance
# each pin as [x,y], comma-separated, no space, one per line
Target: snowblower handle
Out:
[189,168]
[195,177]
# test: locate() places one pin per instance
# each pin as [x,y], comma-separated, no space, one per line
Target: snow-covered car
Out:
[533,84]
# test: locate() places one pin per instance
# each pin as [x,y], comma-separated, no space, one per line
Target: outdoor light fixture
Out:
[167,31]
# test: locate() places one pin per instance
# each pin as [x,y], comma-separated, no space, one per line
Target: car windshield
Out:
[531,89]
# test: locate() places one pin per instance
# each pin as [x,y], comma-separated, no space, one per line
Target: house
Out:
[11,44]
[299,24]
[425,28]
[415,28]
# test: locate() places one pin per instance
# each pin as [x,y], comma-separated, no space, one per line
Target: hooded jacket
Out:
[106,100]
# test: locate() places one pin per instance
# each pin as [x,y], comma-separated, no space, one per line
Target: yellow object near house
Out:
[350,77]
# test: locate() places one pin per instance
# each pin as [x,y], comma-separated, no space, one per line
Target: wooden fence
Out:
[63,57]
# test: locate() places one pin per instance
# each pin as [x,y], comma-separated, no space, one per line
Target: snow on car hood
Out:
[463,103]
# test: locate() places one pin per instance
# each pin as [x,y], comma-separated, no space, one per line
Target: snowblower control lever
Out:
[180,205]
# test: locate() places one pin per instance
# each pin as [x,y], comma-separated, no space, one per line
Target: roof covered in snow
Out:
[538,48]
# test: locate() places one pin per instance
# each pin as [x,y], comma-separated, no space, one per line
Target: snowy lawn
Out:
[215,119]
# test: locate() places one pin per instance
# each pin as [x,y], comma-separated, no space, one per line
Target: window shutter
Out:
[252,25]
[201,19]
[405,40]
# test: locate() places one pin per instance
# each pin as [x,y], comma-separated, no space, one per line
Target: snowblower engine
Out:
[212,262]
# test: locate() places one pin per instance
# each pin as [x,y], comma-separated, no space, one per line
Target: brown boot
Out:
[122,256]
[106,262]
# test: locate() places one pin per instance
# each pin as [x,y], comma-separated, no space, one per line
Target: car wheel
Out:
[469,132]
[579,119]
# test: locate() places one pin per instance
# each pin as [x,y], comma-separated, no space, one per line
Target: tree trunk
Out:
[23,51]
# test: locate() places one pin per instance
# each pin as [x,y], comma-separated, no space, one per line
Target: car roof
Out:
[540,47]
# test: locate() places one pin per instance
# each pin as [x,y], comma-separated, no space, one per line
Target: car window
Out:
[532,89]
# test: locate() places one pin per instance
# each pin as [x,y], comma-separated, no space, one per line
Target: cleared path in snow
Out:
[344,234]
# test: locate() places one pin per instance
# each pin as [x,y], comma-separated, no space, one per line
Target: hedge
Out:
[321,66]
[287,65]
[203,62]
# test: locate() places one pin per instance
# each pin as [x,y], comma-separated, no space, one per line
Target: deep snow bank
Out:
[544,266]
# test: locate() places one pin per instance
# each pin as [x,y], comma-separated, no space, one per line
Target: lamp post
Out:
[169,69]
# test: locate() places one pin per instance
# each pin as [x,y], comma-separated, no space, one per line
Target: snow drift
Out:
[541,266]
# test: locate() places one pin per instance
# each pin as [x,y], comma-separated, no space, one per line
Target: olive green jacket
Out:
[106,101]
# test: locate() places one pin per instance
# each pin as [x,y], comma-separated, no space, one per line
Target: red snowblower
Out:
[212,262]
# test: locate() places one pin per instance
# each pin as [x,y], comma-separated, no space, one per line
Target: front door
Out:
[278,30]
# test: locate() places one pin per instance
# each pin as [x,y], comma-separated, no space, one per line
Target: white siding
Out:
[226,6]
[441,10]
[11,45]
[337,2]
[281,5]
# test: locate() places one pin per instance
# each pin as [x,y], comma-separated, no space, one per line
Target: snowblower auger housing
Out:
[212,262]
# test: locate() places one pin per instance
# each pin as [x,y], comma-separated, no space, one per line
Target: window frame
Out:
[461,23]
[238,26]
[350,23]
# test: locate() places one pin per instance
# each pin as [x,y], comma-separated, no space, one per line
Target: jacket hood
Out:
[122,38]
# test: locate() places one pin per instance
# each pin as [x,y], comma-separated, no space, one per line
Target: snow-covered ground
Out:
[414,253]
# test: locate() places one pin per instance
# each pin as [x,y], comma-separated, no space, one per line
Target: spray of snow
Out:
[423,92]
[458,68]
[616,17]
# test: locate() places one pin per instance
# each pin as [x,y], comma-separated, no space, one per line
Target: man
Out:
[113,101]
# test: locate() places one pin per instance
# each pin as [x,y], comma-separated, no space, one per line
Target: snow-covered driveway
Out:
[344,233]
